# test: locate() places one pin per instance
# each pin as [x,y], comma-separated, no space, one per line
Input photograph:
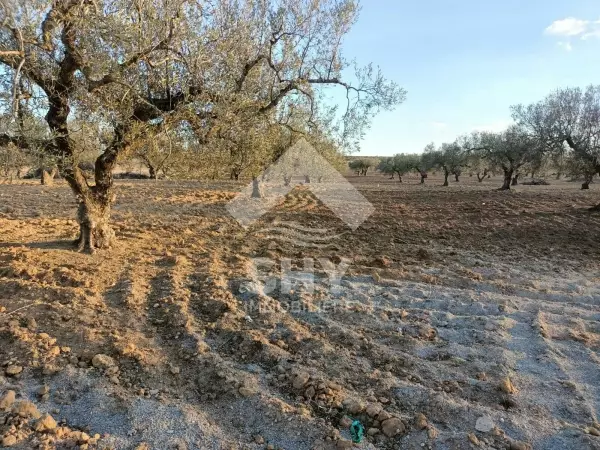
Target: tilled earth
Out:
[465,318]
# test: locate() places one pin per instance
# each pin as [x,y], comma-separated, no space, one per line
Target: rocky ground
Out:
[466,318]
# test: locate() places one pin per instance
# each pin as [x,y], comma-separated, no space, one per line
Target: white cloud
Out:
[566,46]
[568,27]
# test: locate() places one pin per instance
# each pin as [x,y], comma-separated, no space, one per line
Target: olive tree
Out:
[567,119]
[509,150]
[134,66]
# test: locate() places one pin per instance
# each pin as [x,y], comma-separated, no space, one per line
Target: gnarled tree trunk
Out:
[446,175]
[515,180]
[508,176]
[456,177]
[93,215]
[586,183]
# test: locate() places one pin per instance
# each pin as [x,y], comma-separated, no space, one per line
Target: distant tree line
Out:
[559,133]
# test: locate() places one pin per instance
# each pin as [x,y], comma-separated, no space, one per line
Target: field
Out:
[467,318]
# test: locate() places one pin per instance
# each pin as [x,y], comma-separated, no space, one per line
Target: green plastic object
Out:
[357,431]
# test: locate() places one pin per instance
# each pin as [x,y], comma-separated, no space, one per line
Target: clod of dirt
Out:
[432,432]
[26,409]
[507,386]
[300,380]
[343,444]
[354,406]
[517,445]
[484,424]
[373,409]
[101,361]
[473,439]
[7,400]
[392,427]
[9,441]
[13,370]
[593,431]
[45,423]
[420,421]
[246,391]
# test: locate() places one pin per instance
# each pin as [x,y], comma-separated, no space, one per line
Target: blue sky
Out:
[464,62]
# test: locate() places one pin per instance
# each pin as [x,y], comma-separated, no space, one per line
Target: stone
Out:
[518,445]
[355,407]
[373,409]
[484,424]
[9,440]
[43,390]
[13,370]
[345,422]
[593,431]
[432,432]
[246,391]
[45,423]
[258,439]
[26,409]
[7,400]
[101,361]
[420,421]
[392,427]
[473,439]
[507,386]
[343,444]
[372,431]
[300,380]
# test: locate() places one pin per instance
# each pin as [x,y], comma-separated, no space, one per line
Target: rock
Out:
[26,409]
[310,392]
[9,441]
[143,446]
[484,424]
[517,445]
[345,422]
[372,431]
[7,400]
[300,380]
[101,361]
[259,439]
[507,386]
[343,444]
[373,409]
[175,370]
[420,421]
[593,431]
[354,406]
[13,370]
[383,415]
[42,390]
[45,423]
[392,427]
[481,376]
[473,439]
[432,433]
[246,391]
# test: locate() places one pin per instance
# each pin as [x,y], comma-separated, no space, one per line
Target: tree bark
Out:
[586,183]
[93,215]
[423,176]
[446,175]
[152,171]
[515,180]
[257,191]
[508,176]
[456,177]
